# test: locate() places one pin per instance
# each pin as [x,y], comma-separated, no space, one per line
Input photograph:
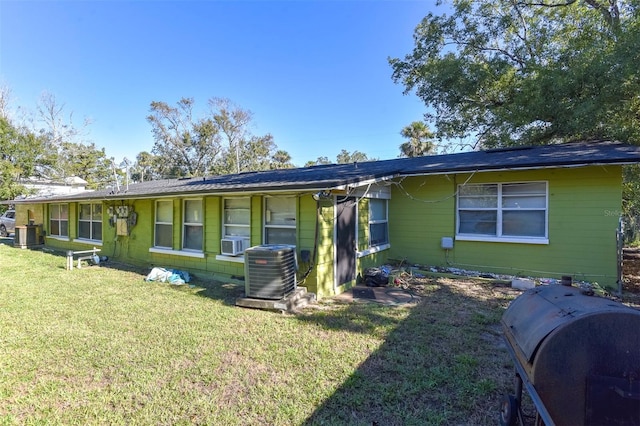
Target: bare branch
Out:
[545,4]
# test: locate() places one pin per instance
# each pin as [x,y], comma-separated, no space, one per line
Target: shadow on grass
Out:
[442,363]
[6,241]
[225,292]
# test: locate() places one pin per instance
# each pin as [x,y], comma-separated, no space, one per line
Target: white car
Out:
[7,223]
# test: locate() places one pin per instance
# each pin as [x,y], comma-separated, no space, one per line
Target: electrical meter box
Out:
[122,211]
[122,227]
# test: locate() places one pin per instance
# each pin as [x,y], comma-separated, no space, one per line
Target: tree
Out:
[188,146]
[19,152]
[356,156]
[5,100]
[218,143]
[420,140]
[344,157]
[631,204]
[232,121]
[87,162]
[145,167]
[507,72]
[281,160]
[68,152]
[319,161]
[248,155]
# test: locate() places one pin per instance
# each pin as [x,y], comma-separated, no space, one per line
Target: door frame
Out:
[336,203]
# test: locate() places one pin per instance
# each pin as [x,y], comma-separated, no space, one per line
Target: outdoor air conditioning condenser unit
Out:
[270,271]
[233,246]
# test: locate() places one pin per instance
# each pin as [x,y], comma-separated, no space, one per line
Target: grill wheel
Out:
[508,410]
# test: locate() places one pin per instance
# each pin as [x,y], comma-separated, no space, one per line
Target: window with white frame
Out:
[164,224]
[193,229]
[280,220]
[378,222]
[90,221]
[236,218]
[509,211]
[59,220]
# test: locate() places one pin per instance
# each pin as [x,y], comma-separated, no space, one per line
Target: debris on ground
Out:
[400,276]
[377,277]
[171,276]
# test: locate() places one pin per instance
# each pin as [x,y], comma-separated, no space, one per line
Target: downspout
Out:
[455,217]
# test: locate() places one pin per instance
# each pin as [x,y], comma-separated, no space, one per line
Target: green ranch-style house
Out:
[544,211]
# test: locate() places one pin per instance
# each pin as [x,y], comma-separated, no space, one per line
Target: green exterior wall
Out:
[583,209]
[323,273]
[134,247]
[35,211]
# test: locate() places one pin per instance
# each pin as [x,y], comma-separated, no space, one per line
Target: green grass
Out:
[100,345]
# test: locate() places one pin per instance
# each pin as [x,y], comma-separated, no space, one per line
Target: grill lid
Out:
[532,316]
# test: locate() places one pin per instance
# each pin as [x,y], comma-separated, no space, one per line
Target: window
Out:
[280,220]
[59,220]
[378,223]
[90,221]
[509,211]
[193,230]
[164,224]
[236,220]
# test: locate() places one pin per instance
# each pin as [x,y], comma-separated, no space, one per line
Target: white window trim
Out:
[264,217]
[183,252]
[499,238]
[224,224]
[155,222]
[484,238]
[374,249]
[58,236]
[184,224]
[234,259]
[88,241]
[374,222]
[90,221]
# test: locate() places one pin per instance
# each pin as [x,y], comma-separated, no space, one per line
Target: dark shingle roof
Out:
[337,175]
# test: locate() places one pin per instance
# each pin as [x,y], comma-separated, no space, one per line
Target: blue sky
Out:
[314,73]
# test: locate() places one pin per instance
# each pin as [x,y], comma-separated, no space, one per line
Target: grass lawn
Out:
[100,345]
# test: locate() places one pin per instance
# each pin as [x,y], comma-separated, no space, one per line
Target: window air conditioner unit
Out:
[270,271]
[233,246]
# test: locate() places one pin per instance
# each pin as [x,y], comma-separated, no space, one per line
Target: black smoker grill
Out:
[577,355]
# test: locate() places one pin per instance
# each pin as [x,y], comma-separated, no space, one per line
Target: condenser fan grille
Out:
[270,271]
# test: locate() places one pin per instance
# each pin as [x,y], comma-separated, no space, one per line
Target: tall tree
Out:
[508,72]
[232,122]
[248,155]
[87,162]
[5,100]
[145,167]
[218,143]
[188,146]
[420,140]
[69,152]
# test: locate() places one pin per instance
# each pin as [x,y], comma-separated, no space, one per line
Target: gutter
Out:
[507,169]
[125,196]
